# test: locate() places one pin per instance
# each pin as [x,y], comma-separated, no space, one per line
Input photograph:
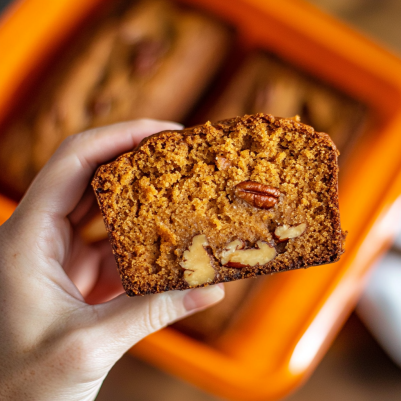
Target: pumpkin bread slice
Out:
[220,202]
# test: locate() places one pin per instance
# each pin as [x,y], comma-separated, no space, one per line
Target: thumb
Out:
[128,320]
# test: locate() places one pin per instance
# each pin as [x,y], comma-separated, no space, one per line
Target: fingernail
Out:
[200,298]
[175,125]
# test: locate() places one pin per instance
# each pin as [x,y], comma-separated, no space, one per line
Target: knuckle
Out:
[162,311]
[70,140]
[78,350]
[68,144]
[73,141]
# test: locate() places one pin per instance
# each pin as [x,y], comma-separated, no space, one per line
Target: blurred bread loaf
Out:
[153,61]
[267,85]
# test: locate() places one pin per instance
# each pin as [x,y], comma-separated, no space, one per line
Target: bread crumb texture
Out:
[181,184]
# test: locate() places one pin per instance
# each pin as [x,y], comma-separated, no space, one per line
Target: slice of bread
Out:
[220,202]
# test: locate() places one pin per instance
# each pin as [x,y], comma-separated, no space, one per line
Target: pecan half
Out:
[256,194]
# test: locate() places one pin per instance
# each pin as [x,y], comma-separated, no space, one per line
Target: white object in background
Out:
[397,241]
[380,305]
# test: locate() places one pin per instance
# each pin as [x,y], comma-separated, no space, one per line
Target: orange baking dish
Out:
[292,322]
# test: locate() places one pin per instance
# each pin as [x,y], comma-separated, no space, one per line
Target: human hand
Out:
[64,321]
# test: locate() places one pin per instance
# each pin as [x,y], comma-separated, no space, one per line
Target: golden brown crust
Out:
[110,179]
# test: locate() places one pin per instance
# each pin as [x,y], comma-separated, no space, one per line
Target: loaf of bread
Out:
[153,61]
[264,84]
[220,202]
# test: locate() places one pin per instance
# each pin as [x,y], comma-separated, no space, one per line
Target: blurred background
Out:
[118,69]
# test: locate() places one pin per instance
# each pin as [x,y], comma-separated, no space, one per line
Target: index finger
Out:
[61,183]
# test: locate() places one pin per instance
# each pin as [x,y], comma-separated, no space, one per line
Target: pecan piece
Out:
[256,194]
[147,55]
[222,163]
[196,262]
[235,255]
[285,232]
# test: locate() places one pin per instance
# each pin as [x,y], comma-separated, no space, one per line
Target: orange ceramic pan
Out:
[292,323]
